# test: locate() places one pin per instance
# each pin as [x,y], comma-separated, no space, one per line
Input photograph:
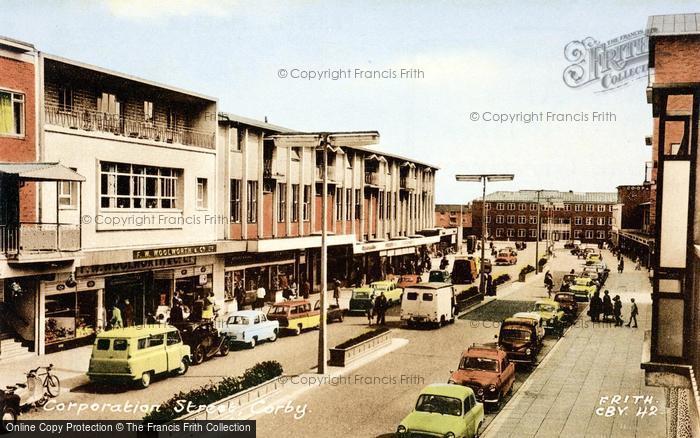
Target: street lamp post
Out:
[324,141]
[482,178]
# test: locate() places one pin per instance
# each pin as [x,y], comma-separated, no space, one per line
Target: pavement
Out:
[571,392]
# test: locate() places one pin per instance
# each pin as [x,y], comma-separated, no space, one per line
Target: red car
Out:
[488,372]
[506,258]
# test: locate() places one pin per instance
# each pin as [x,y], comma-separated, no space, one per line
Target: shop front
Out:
[244,273]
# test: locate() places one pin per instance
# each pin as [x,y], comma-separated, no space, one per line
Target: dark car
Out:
[568,303]
[439,276]
[464,270]
[566,282]
[518,337]
[333,313]
[204,340]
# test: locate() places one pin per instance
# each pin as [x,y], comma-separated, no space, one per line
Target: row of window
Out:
[522,206]
[577,234]
[578,220]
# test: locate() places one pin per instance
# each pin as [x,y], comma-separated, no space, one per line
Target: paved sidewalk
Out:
[70,366]
[563,395]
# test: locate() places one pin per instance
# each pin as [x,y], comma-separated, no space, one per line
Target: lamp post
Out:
[324,141]
[482,178]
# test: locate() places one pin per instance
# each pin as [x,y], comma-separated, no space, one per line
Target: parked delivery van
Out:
[428,303]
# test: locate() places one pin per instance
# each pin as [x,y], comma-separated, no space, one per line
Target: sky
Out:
[479,57]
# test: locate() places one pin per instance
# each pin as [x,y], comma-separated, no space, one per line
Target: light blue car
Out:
[249,327]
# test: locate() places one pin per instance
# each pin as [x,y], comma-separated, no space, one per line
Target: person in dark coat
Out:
[621,265]
[617,311]
[305,289]
[596,307]
[634,311]
[176,315]
[128,314]
[490,289]
[607,305]
[380,306]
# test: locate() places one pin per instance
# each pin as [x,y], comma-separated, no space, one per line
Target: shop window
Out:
[11,113]
[70,316]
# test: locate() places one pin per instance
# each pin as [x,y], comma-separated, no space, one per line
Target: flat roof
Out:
[230,117]
[673,24]
[553,195]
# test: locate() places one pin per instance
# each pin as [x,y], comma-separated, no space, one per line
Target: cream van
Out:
[428,303]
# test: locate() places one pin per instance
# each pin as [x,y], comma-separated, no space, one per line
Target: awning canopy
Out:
[41,172]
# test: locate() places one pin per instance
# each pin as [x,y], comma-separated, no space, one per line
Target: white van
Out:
[432,303]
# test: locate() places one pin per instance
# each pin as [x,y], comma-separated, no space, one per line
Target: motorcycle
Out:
[21,397]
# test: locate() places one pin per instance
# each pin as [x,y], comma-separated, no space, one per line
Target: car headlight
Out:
[449,435]
[528,352]
[401,429]
[492,387]
[480,391]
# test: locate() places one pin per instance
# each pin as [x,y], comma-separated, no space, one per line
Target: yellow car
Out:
[583,288]
[391,291]
[295,315]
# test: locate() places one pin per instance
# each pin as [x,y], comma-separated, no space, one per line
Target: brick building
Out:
[632,230]
[584,216]
[672,356]
[448,216]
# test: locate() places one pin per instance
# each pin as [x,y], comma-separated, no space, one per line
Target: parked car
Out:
[552,315]
[295,315]
[594,257]
[406,280]
[518,337]
[428,303]
[566,282]
[333,313]
[361,300]
[487,371]
[464,270]
[568,303]
[204,340]
[391,291]
[506,257]
[439,276]
[137,354]
[583,288]
[539,324]
[443,410]
[249,327]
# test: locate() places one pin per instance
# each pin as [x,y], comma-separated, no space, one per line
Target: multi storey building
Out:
[122,189]
[580,216]
[632,230]
[672,357]
[450,215]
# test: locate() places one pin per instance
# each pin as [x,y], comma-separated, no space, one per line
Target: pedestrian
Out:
[116,321]
[305,289]
[607,305]
[444,263]
[549,283]
[293,287]
[633,314]
[489,285]
[617,311]
[336,291]
[176,315]
[621,265]
[128,314]
[260,297]
[380,306]
[638,264]
[596,307]
[240,295]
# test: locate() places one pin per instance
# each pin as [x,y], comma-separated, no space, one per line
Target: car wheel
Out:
[198,355]
[478,430]
[225,348]
[145,381]
[442,321]
[9,416]
[273,338]
[253,342]
[297,330]
[184,366]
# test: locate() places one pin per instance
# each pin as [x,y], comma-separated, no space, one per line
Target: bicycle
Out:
[51,382]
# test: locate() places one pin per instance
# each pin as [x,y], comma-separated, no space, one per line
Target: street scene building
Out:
[586,217]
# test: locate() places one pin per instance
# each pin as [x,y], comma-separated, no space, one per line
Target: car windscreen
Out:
[564,298]
[436,277]
[439,404]
[358,295]
[239,320]
[478,363]
[516,334]
[540,307]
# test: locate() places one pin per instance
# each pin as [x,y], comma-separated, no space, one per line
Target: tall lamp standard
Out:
[482,178]
[324,141]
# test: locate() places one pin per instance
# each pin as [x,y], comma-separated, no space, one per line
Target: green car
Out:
[362,299]
[444,410]
[583,288]
[391,291]
[552,315]
[137,354]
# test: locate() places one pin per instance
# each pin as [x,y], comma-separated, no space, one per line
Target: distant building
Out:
[448,216]
[510,215]
[632,230]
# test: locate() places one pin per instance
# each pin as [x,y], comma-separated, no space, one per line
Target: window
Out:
[521,232]
[147,111]
[380,204]
[172,119]
[589,220]
[511,206]
[488,219]
[252,202]
[610,221]
[567,207]
[108,103]
[533,233]
[295,202]
[348,204]
[601,208]
[281,202]
[155,340]
[577,234]
[522,206]
[65,99]
[601,221]
[388,204]
[427,296]
[11,113]
[338,204]
[120,345]
[610,208]
[589,207]
[589,234]
[499,232]
[578,220]
[601,234]
[577,207]
[135,186]
[235,200]
[522,219]
[202,193]
[533,220]
[306,205]
[103,344]
[533,207]
[67,194]
[488,206]
[511,219]
[358,200]
[511,232]
[499,219]
[241,135]
[499,206]
[173,337]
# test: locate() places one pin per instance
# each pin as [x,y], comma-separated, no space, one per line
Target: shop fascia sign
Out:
[142,265]
[248,258]
[176,251]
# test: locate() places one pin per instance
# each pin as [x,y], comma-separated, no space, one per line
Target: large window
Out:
[235,200]
[11,113]
[281,202]
[295,202]
[136,186]
[306,207]
[252,202]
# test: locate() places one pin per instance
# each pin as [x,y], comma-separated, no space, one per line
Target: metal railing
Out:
[372,178]
[39,237]
[87,120]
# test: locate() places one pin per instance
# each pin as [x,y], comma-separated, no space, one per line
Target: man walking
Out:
[634,311]
[621,266]
[617,311]
[607,306]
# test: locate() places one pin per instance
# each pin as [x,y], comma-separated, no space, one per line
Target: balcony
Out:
[407,183]
[269,170]
[372,179]
[39,238]
[86,120]
[331,173]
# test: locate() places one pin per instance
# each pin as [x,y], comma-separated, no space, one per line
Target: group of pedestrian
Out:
[378,310]
[611,308]
[122,314]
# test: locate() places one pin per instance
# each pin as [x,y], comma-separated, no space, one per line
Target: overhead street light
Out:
[324,141]
[482,178]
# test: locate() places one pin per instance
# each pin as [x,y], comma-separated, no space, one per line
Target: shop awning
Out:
[41,172]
